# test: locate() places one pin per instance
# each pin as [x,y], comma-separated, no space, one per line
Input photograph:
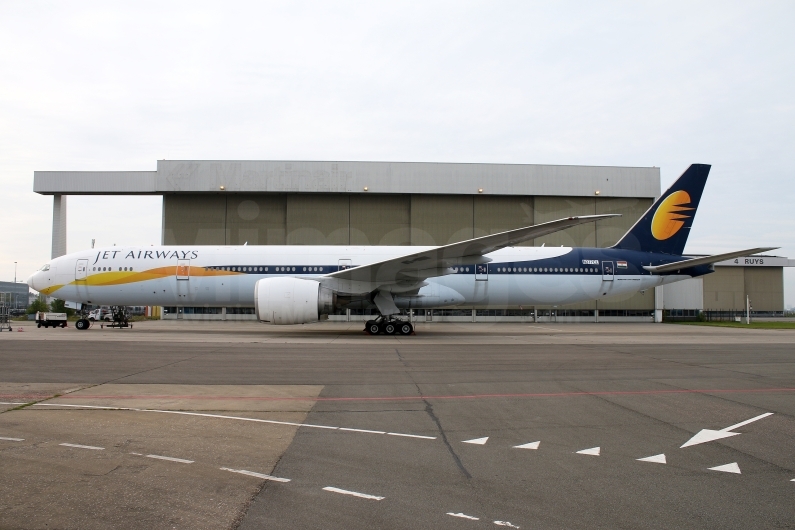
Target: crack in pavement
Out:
[429,410]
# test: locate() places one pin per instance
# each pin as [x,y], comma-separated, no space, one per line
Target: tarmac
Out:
[244,425]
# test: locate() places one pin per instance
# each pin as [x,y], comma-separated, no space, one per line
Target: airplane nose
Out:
[31,281]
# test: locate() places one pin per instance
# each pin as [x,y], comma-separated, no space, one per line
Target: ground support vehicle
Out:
[55,320]
[100,314]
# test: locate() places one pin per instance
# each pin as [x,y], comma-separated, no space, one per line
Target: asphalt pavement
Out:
[469,426]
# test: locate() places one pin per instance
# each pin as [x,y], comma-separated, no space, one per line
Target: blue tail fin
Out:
[665,226]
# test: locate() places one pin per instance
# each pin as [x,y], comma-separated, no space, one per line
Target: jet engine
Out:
[288,300]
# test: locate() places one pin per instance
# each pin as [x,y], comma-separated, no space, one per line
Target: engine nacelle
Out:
[288,300]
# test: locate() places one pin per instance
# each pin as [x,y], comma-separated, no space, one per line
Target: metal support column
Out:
[659,303]
[58,225]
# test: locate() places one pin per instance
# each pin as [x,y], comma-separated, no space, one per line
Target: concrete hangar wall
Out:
[378,203]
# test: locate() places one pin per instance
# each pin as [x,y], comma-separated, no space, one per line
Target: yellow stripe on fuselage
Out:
[126,277]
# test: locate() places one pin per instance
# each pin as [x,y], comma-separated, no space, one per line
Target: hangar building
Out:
[409,203]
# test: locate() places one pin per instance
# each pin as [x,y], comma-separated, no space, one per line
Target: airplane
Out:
[294,284]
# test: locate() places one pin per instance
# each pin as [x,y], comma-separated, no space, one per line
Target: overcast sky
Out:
[118,85]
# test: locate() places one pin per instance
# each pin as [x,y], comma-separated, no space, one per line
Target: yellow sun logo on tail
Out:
[668,218]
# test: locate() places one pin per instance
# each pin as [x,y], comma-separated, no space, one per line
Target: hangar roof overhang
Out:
[272,176]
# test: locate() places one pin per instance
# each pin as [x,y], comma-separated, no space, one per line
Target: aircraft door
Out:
[183,283]
[345,264]
[183,269]
[607,271]
[81,270]
[482,272]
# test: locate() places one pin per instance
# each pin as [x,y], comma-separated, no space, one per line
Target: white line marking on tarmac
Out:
[256,420]
[9,403]
[412,435]
[84,447]
[137,454]
[505,523]
[656,459]
[362,430]
[593,451]
[709,435]
[531,445]
[728,468]
[79,406]
[476,441]
[463,516]
[354,493]
[254,474]
[171,459]
[12,439]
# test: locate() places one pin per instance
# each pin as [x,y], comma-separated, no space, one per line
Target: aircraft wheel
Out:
[82,324]
[390,328]
[405,328]
[373,328]
[38,325]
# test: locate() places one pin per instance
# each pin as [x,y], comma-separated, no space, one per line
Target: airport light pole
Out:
[16,296]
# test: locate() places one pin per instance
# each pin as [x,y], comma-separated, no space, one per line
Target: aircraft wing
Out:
[437,261]
[707,260]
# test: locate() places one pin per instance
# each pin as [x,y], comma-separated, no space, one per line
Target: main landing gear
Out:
[388,326]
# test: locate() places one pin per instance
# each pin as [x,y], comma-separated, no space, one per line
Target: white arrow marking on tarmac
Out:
[505,523]
[657,459]
[531,445]
[727,468]
[477,441]
[709,435]
[463,516]
[593,451]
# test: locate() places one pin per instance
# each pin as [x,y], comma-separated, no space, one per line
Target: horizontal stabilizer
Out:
[706,260]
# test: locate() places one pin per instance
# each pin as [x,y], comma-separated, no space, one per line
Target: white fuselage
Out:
[226,275]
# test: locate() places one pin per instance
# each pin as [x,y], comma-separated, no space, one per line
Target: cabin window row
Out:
[546,269]
[104,269]
[267,269]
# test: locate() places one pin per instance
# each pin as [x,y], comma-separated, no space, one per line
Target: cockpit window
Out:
[46,267]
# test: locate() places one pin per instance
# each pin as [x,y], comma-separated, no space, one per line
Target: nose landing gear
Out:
[388,326]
